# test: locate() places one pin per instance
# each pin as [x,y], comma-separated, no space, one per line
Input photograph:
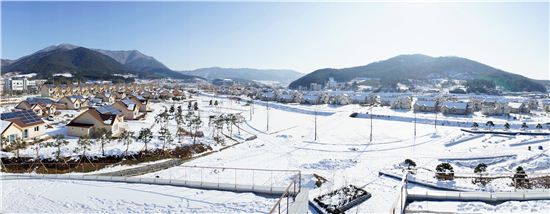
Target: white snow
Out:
[69,196]
[342,153]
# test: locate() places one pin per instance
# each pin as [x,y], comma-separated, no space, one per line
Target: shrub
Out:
[354,114]
[520,178]
[410,164]
[480,169]
[444,171]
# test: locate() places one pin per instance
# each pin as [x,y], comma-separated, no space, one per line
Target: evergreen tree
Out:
[58,143]
[145,136]
[127,138]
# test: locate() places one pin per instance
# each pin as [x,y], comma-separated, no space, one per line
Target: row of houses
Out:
[92,89]
[448,104]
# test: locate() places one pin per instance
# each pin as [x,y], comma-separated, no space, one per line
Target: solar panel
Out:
[26,116]
[128,102]
[8,115]
[108,109]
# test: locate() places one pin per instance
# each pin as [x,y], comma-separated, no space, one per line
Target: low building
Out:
[106,97]
[425,106]
[74,102]
[360,98]
[518,108]
[493,107]
[25,125]
[142,102]
[401,102]
[457,108]
[128,107]
[41,106]
[92,120]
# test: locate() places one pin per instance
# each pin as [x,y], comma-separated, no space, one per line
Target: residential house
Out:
[518,108]
[74,102]
[92,120]
[106,97]
[166,95]
[495,106]
[25,124]
[128,107]
[457,108]
[425,106]
[142,102]
[401,102]
[269,96]
[359,98]
[41,106]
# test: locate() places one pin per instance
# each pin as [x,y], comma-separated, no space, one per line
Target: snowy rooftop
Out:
[455,105]
[3,125]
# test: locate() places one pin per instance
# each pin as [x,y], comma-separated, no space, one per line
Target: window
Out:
[37,128]
[12,137]
[25,133]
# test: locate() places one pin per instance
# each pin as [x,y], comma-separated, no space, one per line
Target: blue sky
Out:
[301,36]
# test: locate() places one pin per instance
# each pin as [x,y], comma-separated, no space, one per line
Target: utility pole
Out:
[371,123]
[250,111]
[315,124]
[415,124]
[435,122]
[267,110]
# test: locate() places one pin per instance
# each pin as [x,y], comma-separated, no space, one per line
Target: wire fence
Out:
[263,180]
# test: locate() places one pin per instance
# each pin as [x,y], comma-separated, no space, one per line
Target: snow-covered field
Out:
[60,196]
[342,153]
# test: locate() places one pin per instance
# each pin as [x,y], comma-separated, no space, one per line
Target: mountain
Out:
[79,62]
[87,63]
[422,67]
[6,62]
[282,76]
[134,59]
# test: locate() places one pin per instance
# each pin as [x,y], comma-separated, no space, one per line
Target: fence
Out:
[291,191]
[235,179]
[401,201]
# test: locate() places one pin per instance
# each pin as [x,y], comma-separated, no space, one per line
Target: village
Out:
[99,128]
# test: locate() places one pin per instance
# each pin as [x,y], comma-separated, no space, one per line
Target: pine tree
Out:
[145,136]
[58,143]
[83,146]
[126,137]
[165,136]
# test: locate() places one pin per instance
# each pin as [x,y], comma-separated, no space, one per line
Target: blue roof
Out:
[26,116]
[108,109]
[36,100]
